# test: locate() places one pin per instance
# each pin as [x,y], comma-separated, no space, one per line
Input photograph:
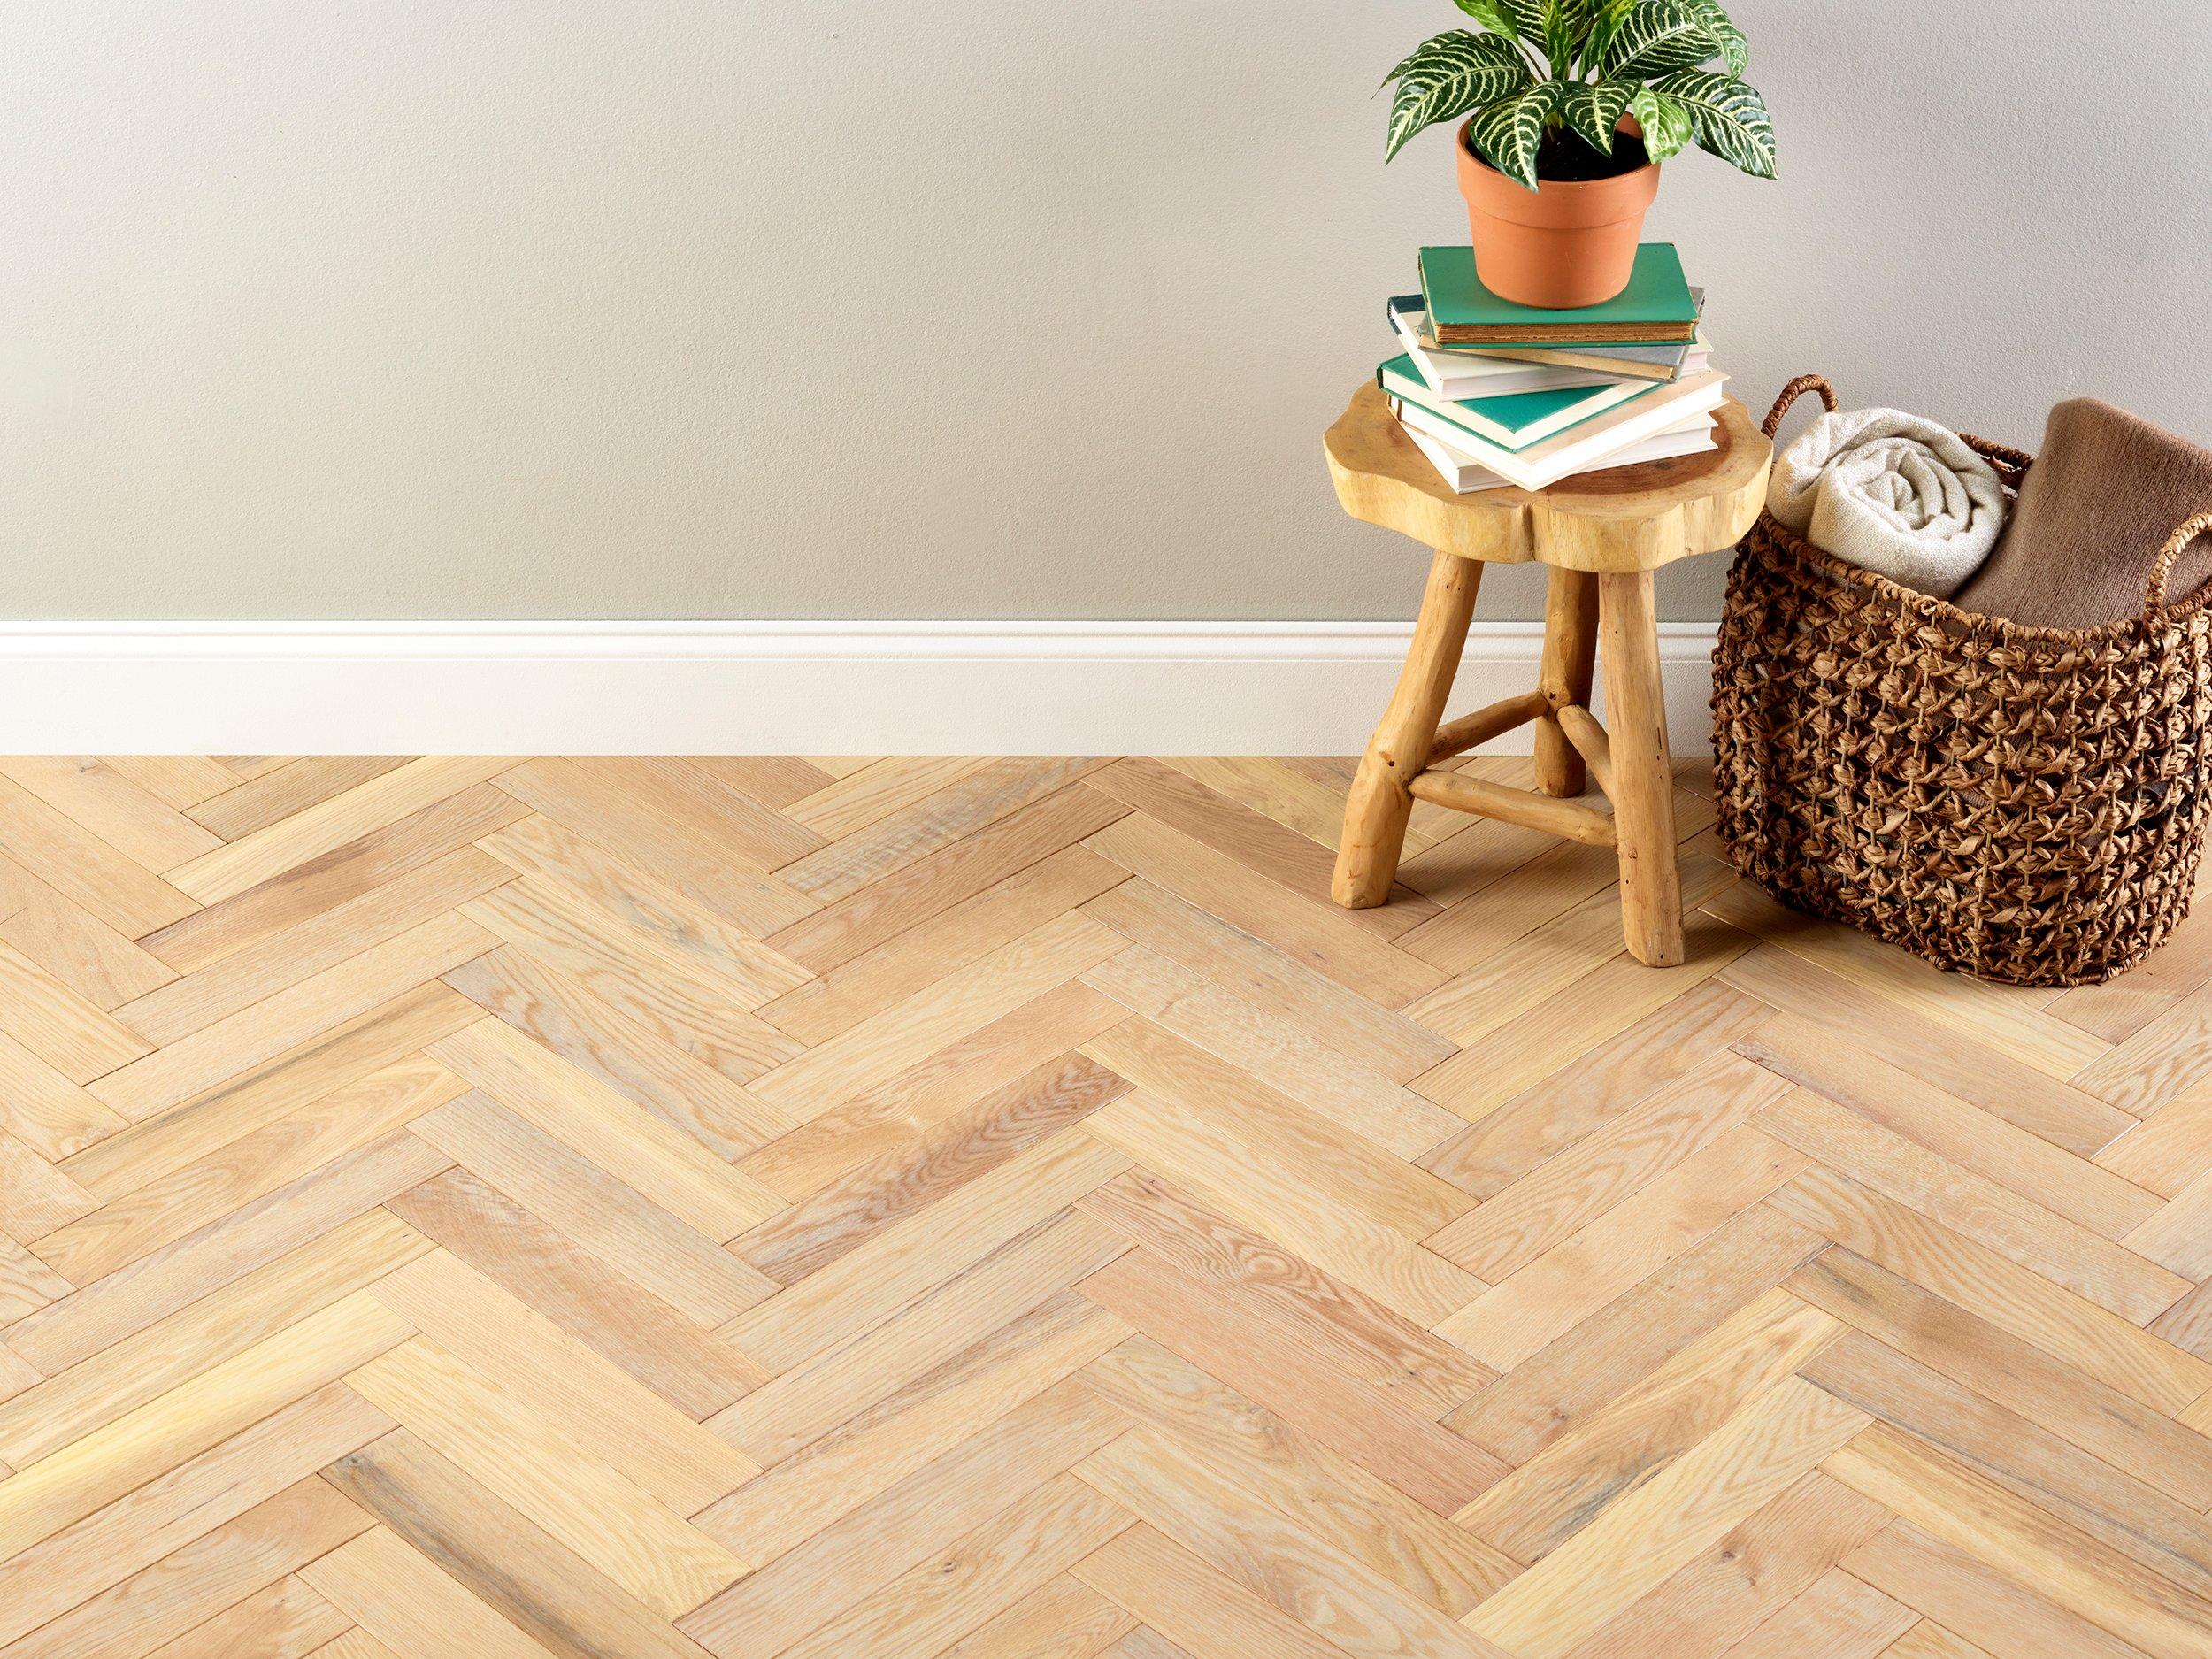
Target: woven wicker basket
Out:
[2024,804]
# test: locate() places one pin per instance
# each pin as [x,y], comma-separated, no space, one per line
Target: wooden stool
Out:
[1603,535]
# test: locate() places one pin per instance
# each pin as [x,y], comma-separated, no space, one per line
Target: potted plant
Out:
[1559,164]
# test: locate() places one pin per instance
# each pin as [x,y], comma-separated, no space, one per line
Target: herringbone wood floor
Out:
[998,1208]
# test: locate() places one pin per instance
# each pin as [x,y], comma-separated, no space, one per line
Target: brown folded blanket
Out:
[2106,493]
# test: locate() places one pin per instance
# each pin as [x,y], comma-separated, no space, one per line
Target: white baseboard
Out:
[749,688]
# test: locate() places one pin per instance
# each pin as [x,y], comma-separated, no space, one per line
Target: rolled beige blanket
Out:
[1893,493]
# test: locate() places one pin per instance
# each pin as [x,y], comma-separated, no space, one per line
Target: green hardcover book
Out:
[1517,420]
[1656,308]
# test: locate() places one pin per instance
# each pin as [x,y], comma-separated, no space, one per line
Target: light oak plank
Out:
[329,824]
[1754,1456]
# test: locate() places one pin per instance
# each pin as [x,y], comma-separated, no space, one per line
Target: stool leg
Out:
[1375,816]
[1636,720]
[1570,643]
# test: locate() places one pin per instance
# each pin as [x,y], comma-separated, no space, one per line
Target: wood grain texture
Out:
[976,1208]
[1628,519]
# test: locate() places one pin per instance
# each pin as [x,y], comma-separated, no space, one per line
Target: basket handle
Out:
[2162,567]
[1795,390]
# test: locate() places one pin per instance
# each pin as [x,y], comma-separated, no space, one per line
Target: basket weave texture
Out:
[2023,804]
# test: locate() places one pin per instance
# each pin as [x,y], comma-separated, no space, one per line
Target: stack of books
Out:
[1499,394]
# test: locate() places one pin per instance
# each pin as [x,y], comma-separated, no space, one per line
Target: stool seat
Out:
[1603,534]
[1627,519]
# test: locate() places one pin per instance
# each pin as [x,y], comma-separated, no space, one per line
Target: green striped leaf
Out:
[1566,25]
[1448,76]
[1595,111]
[1731,118]
[1656,38]
[1735,50]
[1668,126]
[1492,15]
[1509,131]
[1609,16]
[1527,16]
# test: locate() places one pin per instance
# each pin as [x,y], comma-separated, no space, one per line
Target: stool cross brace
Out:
[1630,764]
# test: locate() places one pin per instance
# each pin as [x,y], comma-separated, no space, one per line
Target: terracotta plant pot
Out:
[1561,246]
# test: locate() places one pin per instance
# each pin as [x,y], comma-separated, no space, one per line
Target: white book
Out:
[1517,420]
[1537,368]
[1456,377]
[1694,436]
[1587,447]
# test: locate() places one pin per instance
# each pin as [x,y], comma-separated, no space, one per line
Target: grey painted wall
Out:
[982,308]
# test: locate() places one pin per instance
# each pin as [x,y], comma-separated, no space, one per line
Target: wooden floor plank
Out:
[179,781]
[581,1400]
[183,1590]
[1574,1280]
[946,879]
[115,887]
[1758,1453]
[2161,1532]
[198,1000]
[399,1596]
[105,967]
[174,1206]
[565,1015]
[1308,930]
[1270,978]
[253,858]
[66,1485]
[1335,1321]
[1531,1406]
[1002,1059]
[521,1573]
[2142,1442]
[2110,1275]
[1274,1051]
[727,1207]
[1772,1567]
[975,801]
[601,828]
[139,826]
[870,1547]
[843,1468]
[2019,1540]
[606,1127]
[180,1507]
[848,991]
[78,1399]
[588,1299]
[594,1208]
[1255,1462]
[1270,1190]
[1551,1496]
[249,804]
[1839,1617]
[1854,1019]
[818,1406]
[695,995]
[1237,1345]
[493,1435]
[296,1014]
[173,1278]
[174,1141]
[1201,1610]
[2093,1341]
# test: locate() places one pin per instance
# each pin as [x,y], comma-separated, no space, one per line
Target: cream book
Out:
[1468,477]
[1629,363]
[1585,446]
[1456,375]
